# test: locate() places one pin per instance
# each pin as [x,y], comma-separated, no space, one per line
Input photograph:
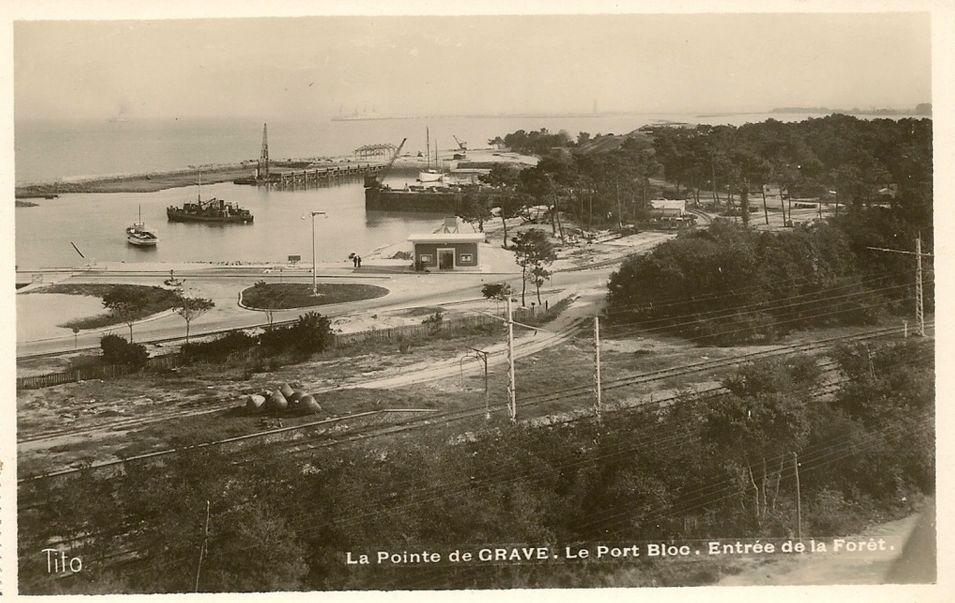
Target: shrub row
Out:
[310,334]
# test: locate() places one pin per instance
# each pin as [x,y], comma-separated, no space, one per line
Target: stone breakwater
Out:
[135,183]
[151,182]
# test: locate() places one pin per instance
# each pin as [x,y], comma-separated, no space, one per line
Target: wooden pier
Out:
[302,179]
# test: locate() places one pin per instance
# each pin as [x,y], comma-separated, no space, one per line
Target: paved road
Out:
[223,286]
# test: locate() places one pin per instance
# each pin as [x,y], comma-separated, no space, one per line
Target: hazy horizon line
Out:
[385,116]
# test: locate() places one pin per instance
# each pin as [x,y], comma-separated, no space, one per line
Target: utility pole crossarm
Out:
[482,355]
[919,300]
[924,255]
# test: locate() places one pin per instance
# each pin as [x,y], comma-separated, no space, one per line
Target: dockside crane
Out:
[375,180]
[462,148]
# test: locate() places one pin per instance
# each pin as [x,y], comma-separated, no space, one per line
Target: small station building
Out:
[446,250]
[667,208]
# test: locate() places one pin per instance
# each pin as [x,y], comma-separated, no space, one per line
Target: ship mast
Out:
[427,142]
[264,157]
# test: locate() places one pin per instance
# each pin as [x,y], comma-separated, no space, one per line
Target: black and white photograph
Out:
[422,298]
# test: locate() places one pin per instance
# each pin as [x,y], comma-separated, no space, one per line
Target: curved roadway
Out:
[406,290]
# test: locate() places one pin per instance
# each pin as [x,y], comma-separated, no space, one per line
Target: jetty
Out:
[312,175]
[307,178]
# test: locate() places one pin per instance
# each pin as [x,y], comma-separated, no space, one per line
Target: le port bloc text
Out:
[602,552]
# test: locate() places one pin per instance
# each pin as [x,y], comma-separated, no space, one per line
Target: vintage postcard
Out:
[477,298]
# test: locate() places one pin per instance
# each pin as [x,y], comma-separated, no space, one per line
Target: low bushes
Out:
[117,350]
[220,349]
[310,334]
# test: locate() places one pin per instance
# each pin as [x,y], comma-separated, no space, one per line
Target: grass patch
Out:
[157,300]
[284,296]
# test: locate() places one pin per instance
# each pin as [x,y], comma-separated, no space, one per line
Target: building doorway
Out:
[445,259]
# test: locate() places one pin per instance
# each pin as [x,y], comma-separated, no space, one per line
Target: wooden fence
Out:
[98,371]
[447,326]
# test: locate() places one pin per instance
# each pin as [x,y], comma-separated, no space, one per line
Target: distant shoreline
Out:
[923,110]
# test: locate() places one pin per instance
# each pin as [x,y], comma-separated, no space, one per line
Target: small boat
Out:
[431,175]
[138,235]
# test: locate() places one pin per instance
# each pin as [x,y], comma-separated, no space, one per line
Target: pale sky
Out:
[466,65]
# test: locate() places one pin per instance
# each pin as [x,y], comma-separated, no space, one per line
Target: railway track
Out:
[131,553]
[524,348]
[534,400]
[527,346]
[465,414]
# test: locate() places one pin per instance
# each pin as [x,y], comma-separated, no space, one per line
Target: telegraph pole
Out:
[919,302]
[798,499]
[597,388]
[202,549]
[511,386]
[481,354]
[314,269]
[919,310]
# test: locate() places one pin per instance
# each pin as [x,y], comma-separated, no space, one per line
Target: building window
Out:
[425,258]
[466,258]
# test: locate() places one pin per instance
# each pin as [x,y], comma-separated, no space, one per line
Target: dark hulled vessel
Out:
[211,210]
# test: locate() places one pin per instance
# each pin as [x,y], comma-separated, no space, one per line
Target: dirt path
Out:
[831,567]
[552,334]
[158,405]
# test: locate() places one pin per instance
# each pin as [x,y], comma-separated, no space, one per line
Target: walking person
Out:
[359,262]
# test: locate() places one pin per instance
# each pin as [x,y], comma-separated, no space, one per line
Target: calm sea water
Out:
[50,150]
[47,151]
[96,224]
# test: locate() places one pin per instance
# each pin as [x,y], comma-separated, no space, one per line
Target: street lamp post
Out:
[314,270]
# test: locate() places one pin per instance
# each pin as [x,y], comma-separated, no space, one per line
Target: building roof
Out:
[448,237]
[668,203]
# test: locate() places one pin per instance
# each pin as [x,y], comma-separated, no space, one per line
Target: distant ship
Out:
[363,116]
[138,235]
[211,210]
